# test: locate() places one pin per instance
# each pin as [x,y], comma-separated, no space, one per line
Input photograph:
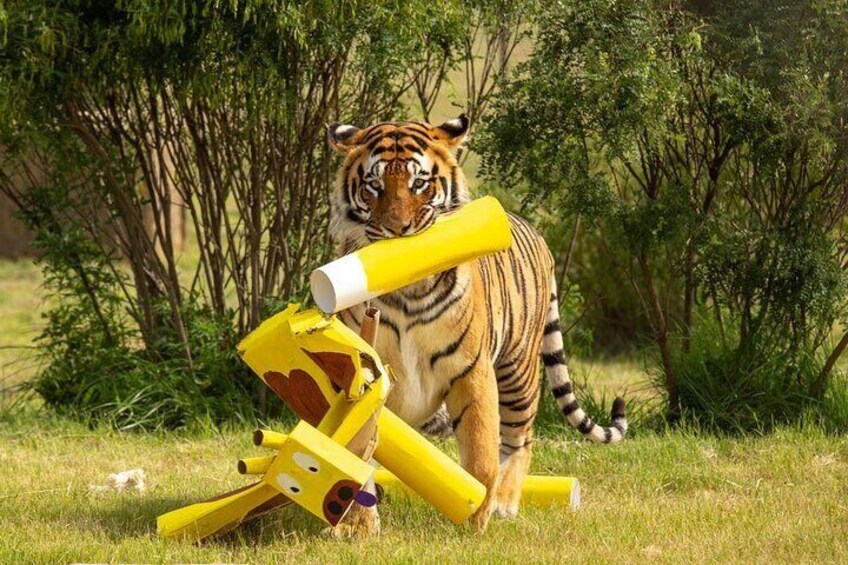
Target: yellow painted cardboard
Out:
[435,476]
[538,490]
[310,469]
[479,228]
[318,474]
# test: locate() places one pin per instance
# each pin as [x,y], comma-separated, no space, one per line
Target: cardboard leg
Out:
[222,513]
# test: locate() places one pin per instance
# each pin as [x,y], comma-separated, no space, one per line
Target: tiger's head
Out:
[397,178]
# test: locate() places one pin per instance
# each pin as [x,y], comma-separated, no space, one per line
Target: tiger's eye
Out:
[419,183]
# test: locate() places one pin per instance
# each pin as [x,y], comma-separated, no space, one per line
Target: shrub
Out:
[119,122]
[707,149]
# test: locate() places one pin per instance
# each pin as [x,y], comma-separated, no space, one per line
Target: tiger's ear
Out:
[453,132]
[344,138]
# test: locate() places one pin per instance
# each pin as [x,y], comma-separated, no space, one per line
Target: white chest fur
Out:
[409,345]
[418,391]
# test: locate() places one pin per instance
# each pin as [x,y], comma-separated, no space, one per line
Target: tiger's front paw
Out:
[480,519]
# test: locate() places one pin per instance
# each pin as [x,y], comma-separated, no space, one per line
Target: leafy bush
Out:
[707,159]
[727,385]
[121,122]
[730,385]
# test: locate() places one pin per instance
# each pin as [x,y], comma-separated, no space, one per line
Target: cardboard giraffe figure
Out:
[335,382]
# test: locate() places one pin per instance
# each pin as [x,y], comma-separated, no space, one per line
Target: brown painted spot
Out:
[338,366]
[301,393]
[338,500]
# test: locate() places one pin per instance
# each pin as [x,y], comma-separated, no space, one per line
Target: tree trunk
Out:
[659,322]
[688,296]
[820,385]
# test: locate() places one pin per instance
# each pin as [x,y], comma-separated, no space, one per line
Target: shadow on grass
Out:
[125,516]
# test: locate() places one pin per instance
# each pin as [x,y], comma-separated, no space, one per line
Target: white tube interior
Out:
[322,291]
[340,284]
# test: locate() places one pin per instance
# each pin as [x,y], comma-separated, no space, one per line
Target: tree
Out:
[725,190]
[215,109]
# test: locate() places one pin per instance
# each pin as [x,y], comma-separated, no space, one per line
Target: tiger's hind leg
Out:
[519,400]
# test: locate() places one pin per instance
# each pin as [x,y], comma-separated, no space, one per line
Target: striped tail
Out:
[556,370]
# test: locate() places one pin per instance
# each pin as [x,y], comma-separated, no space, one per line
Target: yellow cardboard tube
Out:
[269,439]
[427,470]
[478,228]
[538,490]
[216,515]
[255,465]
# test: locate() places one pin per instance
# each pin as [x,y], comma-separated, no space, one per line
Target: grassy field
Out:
[21,303]
[676,498]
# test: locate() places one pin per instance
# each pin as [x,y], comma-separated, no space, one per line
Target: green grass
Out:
[20,318]
[675,498]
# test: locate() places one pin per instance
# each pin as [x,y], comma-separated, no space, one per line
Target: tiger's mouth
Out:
[377,232]
[358,238]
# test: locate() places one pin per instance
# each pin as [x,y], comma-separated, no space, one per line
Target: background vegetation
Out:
[687,164]
[685,160]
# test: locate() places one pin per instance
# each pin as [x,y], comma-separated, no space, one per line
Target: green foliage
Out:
[116,119]
[705,150]
[733,385]
[728,385]
[137,389]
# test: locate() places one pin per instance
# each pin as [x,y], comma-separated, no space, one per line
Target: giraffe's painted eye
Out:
[289,484]
[306,462]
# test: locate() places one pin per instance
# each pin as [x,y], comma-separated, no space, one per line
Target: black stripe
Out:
[371,147]
[466,371]
[437,300]
[450,349]
[445,306]
[505,377]
[519,423]
[455,422]
[562,390]
[525,235]
[396,299]
[618,408]
[353,217]
[348,312]
[552,327]
[607,435]
[419,141]
[517,406]
[521,386]
[377,133]
[570,407]
[454,191]
[516,447]
[422,131]
[586,425]
[427,292]
[554,358]
[384,321]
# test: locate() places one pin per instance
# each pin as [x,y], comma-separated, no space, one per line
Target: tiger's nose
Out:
[398,229]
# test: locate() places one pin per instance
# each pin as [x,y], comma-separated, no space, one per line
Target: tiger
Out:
[468,339]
